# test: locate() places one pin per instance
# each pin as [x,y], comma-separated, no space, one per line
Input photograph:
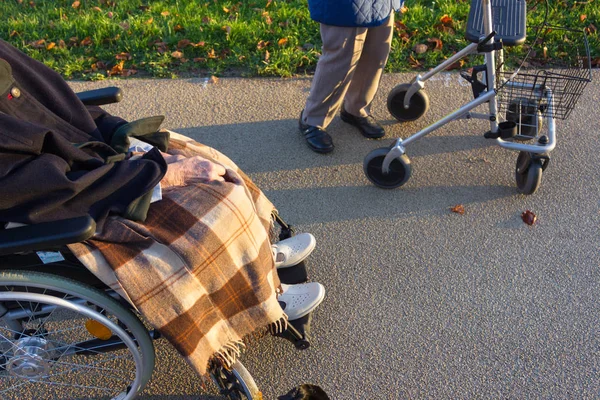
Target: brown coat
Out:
[55,161]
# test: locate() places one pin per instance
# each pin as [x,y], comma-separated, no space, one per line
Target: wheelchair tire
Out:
[235,384]
[34,350]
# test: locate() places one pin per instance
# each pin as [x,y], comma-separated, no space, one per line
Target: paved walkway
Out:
[421,302]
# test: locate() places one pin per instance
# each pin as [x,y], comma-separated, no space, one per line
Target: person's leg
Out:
[342,47]
[369,70]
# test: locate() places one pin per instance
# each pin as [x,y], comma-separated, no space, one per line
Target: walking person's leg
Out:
[342,47]
[362,90]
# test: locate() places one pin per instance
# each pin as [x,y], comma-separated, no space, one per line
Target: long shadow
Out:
[269,146]
[334,204]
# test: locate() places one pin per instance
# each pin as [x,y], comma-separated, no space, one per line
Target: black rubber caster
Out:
[419,104]
[398,174]
[528,173]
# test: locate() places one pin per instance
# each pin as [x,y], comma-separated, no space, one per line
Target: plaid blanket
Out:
[200,268]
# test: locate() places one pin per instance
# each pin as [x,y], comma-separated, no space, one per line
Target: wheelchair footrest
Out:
[508,20]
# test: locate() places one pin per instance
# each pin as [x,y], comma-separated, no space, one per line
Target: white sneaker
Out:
[293,250]
[299,300]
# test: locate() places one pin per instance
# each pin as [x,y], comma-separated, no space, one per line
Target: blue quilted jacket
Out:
[352,12]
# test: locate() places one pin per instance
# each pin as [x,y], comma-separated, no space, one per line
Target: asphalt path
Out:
[421,302]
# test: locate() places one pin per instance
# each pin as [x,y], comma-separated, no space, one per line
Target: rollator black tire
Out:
[399,172]
[419,104]
[51,332]
[235,384]
[528,173]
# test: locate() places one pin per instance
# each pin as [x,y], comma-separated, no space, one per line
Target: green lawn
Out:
[96,39]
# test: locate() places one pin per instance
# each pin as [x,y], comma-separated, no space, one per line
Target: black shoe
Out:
[368,126]
[317,139]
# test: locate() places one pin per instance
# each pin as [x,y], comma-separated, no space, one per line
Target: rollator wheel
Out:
[528,173]
[398,174]
[237,383]
[419,104]
[63,339]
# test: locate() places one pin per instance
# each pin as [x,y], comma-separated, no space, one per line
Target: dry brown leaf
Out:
[62,44]
[262,44]
[582,17]
[50,46]
[591,29]
[183,43]
[214,79]
[282,42]
[13,33]
[178,28]
[101,65]
[165,13]
[456,65]
[117,69]
[206,20]
[211,54]
[96,8]
[38,44]
[149,21]
[227,30]
[267,56]
[529,217]
[414,62]
[199,59]
[459,209]
[123,56]
[177,54]
[436,43]
[267,18]
[226,9]
[199,44]
[87,41]
[76,4]
[268,3]
[446,20]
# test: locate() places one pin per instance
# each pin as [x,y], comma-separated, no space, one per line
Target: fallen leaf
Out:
[149,21]
[456,65]
[446,20]
[529,217]
[227,30]
[437,43]
[13,33]
[282,42]
[267,55]
[165,13]
[268,3]
[62,44]
[226,9]
[267,18]
[38,44]
[262,44]
[420,48]
[211,54]
[214,79]
[86,42]
[124,26]
[199,44]
[76,4]
[459,209]
[403,9]
[183,43]
[50,46]
[123,56]
[591,29]
[582,17]
[199,59]
[414,62]
[178,28]
[96,8]
[177,54]
[206,20]
[117,69]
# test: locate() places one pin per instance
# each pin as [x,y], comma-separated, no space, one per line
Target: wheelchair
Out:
[64,334]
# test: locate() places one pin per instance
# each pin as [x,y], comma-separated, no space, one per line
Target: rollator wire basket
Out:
[559,72]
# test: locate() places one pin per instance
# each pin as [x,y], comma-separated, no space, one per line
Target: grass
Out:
[101,38]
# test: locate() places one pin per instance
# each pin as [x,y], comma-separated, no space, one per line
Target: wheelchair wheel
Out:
[63,339]
[419,104]
[528,173]
[398,174]
[236,384]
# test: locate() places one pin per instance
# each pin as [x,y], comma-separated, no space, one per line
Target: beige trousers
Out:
[348,71]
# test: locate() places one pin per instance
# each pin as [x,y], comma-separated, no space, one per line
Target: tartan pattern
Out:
[200,268]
